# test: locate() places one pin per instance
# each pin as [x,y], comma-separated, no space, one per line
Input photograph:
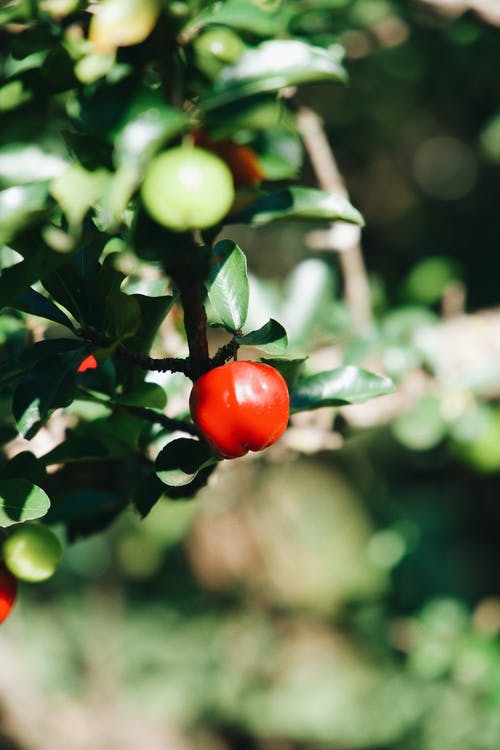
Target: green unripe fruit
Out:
[32,552]
[217,47]
[187,188]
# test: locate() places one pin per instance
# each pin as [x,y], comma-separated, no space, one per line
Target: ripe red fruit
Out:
[8,591]
[89,363]
[240,407]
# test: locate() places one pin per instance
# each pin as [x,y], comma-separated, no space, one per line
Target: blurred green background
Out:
[342,598]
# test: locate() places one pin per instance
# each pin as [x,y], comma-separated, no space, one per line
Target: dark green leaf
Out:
[34,303]
[16,280]
[227,285]
[148,492]
[271,338]
[49,384]
[298,203]
[87,504]
[181,460]
[344,385]
[24,465]
[20,500]
[273,65]
[72,283]
[153,311]
[75,447]
[291,369]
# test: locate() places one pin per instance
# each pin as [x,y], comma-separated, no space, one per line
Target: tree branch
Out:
[150,415]
[345,238]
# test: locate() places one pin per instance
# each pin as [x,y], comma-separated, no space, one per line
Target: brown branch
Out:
[195,324]
[164,364]
[225,353]
[343,237]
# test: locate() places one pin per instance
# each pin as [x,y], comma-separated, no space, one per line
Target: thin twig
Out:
[164,364]
[343,237]
[150,415]
[225,353]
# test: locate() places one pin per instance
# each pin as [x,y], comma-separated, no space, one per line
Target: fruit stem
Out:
[225,353]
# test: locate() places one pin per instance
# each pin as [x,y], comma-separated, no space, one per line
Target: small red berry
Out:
[89,363]
[8,591]
[240,407]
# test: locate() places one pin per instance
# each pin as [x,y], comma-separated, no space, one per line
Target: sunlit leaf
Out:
[344,385]
[181,460]
[227,285]
[21,500]
[299,204]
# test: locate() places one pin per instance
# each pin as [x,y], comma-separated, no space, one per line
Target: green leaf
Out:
[88,503]
[344,385]
[75,447]
[153,311]
[22,163]
[271,338]
[77,190]
[147,125]
[24,465]
[16,280]
[238,14]
[148,491]
[227,285]
[181,460]
[21,500]
[49,384]
[72,284]
[301,204]
[150,395]
[20,206]
[34,303]
[273,65]
[290,369]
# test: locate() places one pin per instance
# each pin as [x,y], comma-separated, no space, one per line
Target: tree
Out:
[135,135]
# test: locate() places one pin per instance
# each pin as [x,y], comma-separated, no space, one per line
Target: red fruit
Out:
[8,591]
[89,363]
[240,407]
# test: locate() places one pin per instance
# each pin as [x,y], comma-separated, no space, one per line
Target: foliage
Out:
[337,591]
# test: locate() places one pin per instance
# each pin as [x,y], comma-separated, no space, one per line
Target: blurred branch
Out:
[342,237]
[488,10]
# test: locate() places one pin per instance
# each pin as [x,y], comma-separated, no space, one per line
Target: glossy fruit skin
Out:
[32,552]
[187,188]
[8,592]
[89,363]
[240,407]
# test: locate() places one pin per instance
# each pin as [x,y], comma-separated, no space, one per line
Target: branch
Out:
[195,323]
[165,364]
[150,415]
[225,353]
[345,238]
